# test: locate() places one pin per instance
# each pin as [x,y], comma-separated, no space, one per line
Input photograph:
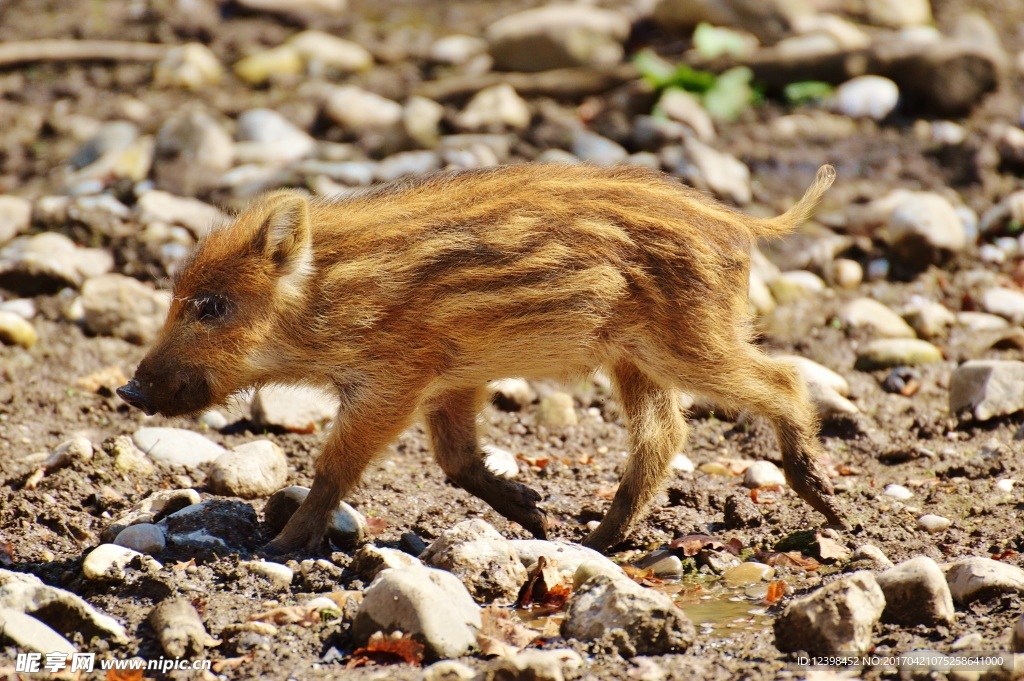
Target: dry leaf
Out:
[544,586]
[606,492]
[376,525]
[830,549]
[790,559]
[692,544]
[6,553]
[502,634]
[181,566]
[125,674]
[1008,553]
[757,495]
[776,590]
[843,469]
[105,381]
[397,648]
[288,614]
[229,664]
[536,462]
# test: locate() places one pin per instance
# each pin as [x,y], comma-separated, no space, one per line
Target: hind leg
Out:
[451,420]
[657,431]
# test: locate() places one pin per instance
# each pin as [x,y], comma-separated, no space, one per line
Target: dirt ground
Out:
[913,441]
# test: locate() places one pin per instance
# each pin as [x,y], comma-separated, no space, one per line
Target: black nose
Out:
[131,394]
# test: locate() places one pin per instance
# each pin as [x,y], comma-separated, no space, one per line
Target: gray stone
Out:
[596,149]
[887,353]
[265,136]
[867,313]
[120,306]
[763,474]
[177,446]
[486,562]
[866,97]
[15,217]
[827,389]
[568,556]
[112,137]
[142,537]
[718,172]
[197,140]
[981,578]
[662,563]
[48,262]
[107,562]
[431,605]
[494,109]
[252,470]
[987,388]
[151,509]
[348,527]
[1004,302]
[557,410]
[275,573]
[213,526]
[295,409]
[163,207]
[916,592]
[838,618]
[28,633]
[557,36]
[652,622]
[358,111]
[369,561]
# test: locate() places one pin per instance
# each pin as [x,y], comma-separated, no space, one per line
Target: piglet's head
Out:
[233,300]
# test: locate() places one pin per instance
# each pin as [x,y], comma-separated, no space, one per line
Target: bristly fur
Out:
[408,298]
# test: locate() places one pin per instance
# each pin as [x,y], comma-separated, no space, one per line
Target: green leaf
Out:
[712,42]
[805,91]
[655,70]
[731,94]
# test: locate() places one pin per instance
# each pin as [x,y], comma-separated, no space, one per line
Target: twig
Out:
[79,50]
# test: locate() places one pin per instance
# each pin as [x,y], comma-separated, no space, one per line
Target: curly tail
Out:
[803,209]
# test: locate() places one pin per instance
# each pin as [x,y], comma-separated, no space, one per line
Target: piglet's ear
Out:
[285,232]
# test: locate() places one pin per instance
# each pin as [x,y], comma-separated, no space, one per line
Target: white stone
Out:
[251,470]
[495,109]
[916,592]
[317,47]
[59,608]
[192,66]
[1005,485]
[924,227]
[763,474]
[933,524]
[120,306]
[16,330]
[981,321]
[557,410]
[265,136]
[512,393]
[874,554]
[568,556]
[988,388]
[275,573]
[296,409]
[357,110]
[930,319]
[838,618]
[847,274]
[28,633]
[109,561]
[974,578]
[867,313]
[1004,302]
[422,118]
[597,149]
[796,285]
[685,108]
[898,492]
[897,13]
[259,67]
[827,389]
[369,561]
[886,353]
[866,97]
[49,261]
[719,172]
[681,463]
[486,562]
[457,49]
[176,446]
[163,207]
[15,217]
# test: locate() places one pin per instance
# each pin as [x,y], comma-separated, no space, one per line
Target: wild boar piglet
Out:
[408,299]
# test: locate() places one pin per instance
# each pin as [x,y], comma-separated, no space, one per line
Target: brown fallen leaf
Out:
[758,494]
[125,674]
[1003,555]
[536,462]
[776,590]
[830,549]
[606,492]
[376,525]
[544,586]
[641,576]
[692,544]
[105,381]
[790,559]
[181,566]
[287,614]
[381,649]
[502,634]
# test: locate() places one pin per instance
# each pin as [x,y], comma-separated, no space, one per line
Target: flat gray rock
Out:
[177,446]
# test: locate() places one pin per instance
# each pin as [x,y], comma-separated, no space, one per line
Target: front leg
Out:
[362,429]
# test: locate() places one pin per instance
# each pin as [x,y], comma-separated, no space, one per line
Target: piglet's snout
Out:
[133,395]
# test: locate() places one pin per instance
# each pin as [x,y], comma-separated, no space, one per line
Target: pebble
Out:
[557,36]
[369,561]
[981,321]
[898,492]
[296,7]
[407,163]
[872,97]
[213,419]
[987,388]
[348,527]
[456,50]
[156,206]
[681,463]
[500,461]
[128,458]
[916,592]
[48,262]
[152,508]
[112,136]
[748,573]
[251,470]
[981,578]
[1004,302]
[321,49]
[123,307]
[357,110]
[867,313]
[177,446]
[846,274]
[28,633]
[197,140]
[897,13]
[23,307]
[143,538]
[265,136]
[932,523]
[277,574]
[535,664]
[494,109]
[1005,485]
[16,330]
[179,628]
[837,618]
[421,118]
[662,564]
[924,229]
[293,408]
[874,554]
[719,172]
[448,670]
[651,620]
[569,557]
[685,108]
[15,217]
[107,562]
[887,353]
[796,285]
[763,474]
[432,605]
[930,320]
[557,410]
[512,394]
[485,561]
[192,66]
[258,68]
[596,149]
[827,389]
[215,525]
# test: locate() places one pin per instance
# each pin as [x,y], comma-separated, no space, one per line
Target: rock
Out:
[568,556]
[369,561]
[195,215]
[741,512]
[662,564]
[718,172]
[501,462]
[887,353]
[980,321]
[456,50]
[929,319]
[987,388]
[214,419]
[63,610]
[486,562]
[557,410]
[421,118]
[686,108]
[796,285]
[873,554]
[1001,216]
[217,525]
[295,409]
[179,628]
[916,593]
[867,313]
[924,229]
[760,296]
[68,452]
[15,217]
[1004,302]
[535,664]
[347,528]
[252,470]
[557,36]
[494,109]
[827,389]
[846,274]
[120,306]
[258,68]
[1017,638]
[143,538]
[357,110]
[265,136]
[982,578]
[107,562]
[769,20]
[112,136]
[748,573]
[932,523]
[431,605]
[321,49]
[838,618]
[448,670]
[866,97]
[48,262]
[763,474]
[197,141]
[15,330]
[593,148]
[152,508]
[512,394]
[28,633]
[192,66]
[275,573]
[652,622]
[898,492]
[177,446]
[893,13]
[23,307]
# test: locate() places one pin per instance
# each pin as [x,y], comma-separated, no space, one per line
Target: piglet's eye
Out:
[211,308]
